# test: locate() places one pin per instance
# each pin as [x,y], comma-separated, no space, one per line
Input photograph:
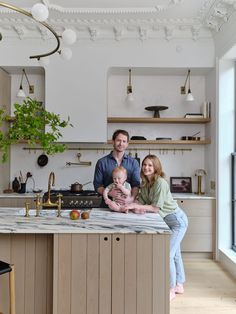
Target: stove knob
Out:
[91,203]
[76,203]
[71,203]
[85,203]
[81,203]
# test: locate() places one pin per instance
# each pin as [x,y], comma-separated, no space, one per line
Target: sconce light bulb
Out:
[189,96]
[130,97]
[69,36]
[40,12]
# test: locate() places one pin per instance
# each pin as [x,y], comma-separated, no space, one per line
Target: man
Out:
[117,157]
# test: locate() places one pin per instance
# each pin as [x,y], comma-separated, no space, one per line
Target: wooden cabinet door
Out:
[82,274]
[200,235]
[140,274]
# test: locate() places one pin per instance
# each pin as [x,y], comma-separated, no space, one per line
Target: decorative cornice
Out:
[123,23]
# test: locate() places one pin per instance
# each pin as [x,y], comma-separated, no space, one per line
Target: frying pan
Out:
[42,160]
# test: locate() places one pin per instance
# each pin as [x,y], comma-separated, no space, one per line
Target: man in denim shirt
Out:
[117,157]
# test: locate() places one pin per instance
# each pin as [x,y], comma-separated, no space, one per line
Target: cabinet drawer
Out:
[16,202]
[197,208]
[199,225]
[197,243]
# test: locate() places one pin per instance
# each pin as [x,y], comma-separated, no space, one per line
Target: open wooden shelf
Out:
[175,142]
[157,120]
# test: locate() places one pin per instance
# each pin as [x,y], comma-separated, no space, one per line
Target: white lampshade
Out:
[189,96]
[66,53]
[40,12]
[130,97]
[21,93]
[69,36]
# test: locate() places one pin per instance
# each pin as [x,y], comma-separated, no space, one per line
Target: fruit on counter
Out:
[74,214]
[85,215]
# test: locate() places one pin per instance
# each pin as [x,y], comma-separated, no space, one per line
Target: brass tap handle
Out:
[59,196]
[27,209]
[38,204]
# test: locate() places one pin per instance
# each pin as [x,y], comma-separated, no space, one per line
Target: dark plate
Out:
[42,160]
[138,138]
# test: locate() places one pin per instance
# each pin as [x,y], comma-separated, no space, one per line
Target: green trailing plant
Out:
[34,124]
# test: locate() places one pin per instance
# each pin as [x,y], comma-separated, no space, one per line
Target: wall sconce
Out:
[183,88]
[130,96]
[21,92]
[39,13]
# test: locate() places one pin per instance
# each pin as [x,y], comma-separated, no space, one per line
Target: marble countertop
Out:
[192,196]
[101,220]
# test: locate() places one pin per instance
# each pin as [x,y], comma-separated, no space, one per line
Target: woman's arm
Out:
[142,209]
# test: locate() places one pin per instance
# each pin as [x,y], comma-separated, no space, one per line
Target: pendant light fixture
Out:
[130,96]
[21,92]
[40,13]
[183,88]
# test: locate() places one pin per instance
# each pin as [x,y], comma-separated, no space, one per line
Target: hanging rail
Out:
[110,148]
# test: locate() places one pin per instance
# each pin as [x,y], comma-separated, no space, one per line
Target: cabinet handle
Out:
[105,238]
[117,239]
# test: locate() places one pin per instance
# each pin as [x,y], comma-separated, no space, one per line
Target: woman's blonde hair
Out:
[157,170]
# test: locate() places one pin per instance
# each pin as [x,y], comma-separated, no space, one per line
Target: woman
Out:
[155,196]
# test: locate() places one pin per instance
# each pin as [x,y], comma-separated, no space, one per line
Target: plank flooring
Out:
[208,290]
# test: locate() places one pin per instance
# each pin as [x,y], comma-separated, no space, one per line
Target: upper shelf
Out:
[157,120]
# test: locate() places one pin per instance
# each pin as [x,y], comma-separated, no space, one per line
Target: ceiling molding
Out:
[141,23]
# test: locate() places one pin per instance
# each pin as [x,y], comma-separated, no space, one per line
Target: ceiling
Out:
[122,19]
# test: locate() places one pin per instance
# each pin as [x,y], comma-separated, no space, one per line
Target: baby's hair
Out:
[118,169]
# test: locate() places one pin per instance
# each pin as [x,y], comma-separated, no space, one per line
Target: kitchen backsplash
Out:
[175,164]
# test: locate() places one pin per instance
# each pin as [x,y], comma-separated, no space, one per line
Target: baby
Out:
[119,176]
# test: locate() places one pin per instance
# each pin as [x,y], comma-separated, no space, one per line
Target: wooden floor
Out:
[208,290]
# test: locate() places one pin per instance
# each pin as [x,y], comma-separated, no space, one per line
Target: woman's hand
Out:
[136,208]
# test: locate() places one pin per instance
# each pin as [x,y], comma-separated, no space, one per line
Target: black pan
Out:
[42,160]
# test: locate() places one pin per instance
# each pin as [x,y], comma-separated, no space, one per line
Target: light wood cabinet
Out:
[111,274]
[16,201]
[32,256]
[200,235]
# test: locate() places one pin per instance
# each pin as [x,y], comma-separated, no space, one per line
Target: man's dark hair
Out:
[117,132]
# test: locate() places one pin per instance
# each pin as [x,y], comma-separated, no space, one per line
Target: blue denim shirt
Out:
[105,165]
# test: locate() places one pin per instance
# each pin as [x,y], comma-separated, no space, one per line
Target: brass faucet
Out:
[51,182]
[49,203]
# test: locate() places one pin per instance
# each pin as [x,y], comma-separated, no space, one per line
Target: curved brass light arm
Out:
[22,11]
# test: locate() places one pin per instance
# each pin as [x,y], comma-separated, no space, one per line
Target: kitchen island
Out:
[112,263]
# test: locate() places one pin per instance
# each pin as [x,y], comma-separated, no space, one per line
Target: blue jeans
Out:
[178,223]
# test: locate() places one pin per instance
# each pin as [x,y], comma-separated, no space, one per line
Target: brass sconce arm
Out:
[183,88]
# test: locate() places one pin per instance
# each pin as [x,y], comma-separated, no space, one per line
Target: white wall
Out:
[81,86]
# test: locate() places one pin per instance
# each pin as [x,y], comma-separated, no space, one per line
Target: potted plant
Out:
[33,124]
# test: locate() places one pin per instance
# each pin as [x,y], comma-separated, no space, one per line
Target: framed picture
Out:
[181,184]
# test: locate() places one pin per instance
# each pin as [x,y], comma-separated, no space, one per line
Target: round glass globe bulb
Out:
[66,53]
[69,36]
[40,12]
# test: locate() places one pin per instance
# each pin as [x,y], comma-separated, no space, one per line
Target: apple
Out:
[85,215]
[74,214]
